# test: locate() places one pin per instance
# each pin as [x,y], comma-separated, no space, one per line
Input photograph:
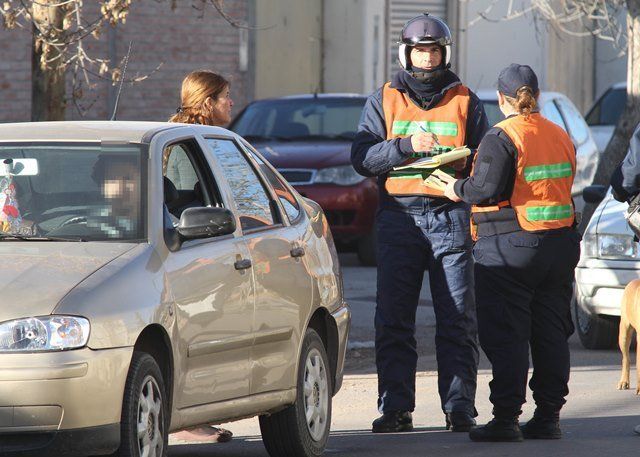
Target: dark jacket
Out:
[625,181]
[373,155]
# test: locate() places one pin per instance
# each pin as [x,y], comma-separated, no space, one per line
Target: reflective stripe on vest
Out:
[545,170]
[447,120]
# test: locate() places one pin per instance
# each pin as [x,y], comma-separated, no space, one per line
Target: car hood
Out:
[36,275]
[306,154]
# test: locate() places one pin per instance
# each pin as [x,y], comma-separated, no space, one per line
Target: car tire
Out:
[144,403]
[367,249]
[289,433]
[596,332]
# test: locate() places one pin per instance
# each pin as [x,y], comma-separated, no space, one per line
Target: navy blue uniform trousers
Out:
[524,285]
[439,242]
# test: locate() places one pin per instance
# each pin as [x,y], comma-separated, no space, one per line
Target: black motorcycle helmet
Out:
[425,29]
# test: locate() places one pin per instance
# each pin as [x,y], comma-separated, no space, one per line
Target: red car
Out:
[308,139]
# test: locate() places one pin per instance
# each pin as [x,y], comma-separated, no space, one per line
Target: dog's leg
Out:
[637,363]
[624,341]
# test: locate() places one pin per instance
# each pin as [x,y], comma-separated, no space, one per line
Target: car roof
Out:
[491,96]
[620,85]
[126,131]
[312,96]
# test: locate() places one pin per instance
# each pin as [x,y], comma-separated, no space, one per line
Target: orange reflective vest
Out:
[545,168]
[447,120]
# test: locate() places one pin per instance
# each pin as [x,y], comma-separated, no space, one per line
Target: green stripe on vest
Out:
[418,174]
[549,213]
[557,170]
[411,127]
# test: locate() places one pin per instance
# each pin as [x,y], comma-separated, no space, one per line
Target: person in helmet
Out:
[424,108]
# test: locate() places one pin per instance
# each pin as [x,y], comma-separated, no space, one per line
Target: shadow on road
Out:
[584,437]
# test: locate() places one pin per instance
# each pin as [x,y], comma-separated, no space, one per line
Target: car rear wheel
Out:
[302,429]
[144,421]
[367,249]
[596,332]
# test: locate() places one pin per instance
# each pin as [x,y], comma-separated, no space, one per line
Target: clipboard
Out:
[437,160]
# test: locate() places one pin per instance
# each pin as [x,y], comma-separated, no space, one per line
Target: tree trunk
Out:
[630,118]
[47,80]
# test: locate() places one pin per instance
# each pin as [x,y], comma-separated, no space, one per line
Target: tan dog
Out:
[629,320]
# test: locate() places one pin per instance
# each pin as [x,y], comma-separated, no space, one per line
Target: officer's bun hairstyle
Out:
[525,101]
[197,86]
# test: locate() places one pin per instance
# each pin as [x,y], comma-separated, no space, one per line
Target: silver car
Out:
[154,277]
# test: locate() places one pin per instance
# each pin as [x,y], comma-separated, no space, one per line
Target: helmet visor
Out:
[426,30]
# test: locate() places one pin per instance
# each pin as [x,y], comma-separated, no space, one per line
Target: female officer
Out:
[204,99]
[526,252]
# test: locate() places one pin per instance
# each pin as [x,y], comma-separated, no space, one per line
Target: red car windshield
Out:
[313,118]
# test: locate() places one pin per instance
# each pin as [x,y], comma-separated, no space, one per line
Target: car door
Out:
[283,282]
[212,286]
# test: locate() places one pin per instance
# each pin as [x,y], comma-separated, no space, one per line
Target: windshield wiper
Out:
[15,236]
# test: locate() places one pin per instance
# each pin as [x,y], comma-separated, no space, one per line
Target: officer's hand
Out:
[450,193]
[423,141]
[459,164]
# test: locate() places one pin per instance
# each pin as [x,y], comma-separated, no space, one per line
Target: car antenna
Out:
[124,71]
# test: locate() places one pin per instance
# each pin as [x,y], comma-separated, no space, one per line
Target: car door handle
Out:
[242,264]
[297,252]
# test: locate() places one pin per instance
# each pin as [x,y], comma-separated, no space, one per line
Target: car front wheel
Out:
[302,429]
[143,428]
[596,332]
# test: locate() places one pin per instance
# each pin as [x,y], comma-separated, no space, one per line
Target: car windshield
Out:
[494,115]
[313,118]
[71,192]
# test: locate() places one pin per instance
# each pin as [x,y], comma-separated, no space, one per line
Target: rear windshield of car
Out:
[608,109]
[494,115]
[300,119]
[73,191]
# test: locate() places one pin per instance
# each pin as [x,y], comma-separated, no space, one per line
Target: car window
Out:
[550,111]
[578,128]
[317,117]
[76,191]
[178,168]
[187,180]
[253,202]
[288,201]
[612,106]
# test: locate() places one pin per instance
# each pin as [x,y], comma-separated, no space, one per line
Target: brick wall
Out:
[181,40]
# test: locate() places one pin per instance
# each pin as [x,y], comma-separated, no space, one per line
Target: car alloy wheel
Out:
[145,418]
[302,429]
[150,419]
[316,394]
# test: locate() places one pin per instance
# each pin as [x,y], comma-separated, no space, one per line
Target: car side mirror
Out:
[205,222]
[594,194]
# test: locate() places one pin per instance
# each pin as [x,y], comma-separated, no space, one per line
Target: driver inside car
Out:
[119,181]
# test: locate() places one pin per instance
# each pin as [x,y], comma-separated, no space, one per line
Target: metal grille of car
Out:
[297,176]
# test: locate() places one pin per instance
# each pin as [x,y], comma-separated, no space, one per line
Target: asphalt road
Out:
[598,420]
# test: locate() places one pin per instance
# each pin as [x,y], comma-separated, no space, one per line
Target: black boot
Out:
[498,429]
[393,422]
[459,421]
[543,427]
